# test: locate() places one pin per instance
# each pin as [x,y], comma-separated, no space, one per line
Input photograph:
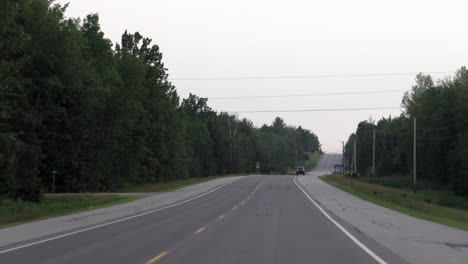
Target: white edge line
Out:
[353,238]
[117,221]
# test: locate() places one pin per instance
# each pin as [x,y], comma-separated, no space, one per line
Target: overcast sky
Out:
[261,38]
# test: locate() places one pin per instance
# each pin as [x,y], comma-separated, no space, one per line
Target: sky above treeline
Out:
[252,44]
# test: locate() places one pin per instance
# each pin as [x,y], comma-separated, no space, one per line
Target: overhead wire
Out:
[442,113]
[315,110]
[304,76]
[440,138]
[443,128]
[303,95]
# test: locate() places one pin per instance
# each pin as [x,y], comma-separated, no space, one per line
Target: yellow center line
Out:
[221,217]
[157,257]
[200,230]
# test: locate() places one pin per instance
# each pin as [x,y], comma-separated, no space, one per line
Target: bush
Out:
[28,194]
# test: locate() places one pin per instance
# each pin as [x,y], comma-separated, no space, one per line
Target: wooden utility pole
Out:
[342,158]
[355,158]
[232,136]
[414,155]
[373,156]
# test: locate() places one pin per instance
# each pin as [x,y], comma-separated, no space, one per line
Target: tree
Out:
[105,117]
[441,111]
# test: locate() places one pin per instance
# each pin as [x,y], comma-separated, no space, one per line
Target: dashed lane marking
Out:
[200,230]
[158,257]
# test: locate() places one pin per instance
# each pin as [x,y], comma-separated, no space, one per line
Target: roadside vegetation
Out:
[440,108]
[312,161]
[14,212]
[102,116]
[433,204]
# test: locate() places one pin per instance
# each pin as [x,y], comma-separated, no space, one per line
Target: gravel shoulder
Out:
[44,228]
[415,240]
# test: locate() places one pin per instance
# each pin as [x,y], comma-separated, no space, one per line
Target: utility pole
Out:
[342,158]
[232,137]
[414,155]
[373,156]
[355,158]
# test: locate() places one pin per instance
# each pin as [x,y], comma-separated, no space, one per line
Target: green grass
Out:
[434,205]
[404,183]
[13,212]
[171,186]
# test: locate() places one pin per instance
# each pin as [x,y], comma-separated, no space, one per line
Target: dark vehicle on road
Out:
[300,170]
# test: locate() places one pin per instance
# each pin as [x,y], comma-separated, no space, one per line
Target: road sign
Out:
[257,165]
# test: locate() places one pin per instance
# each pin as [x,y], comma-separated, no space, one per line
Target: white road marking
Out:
[353,238]
[114,222]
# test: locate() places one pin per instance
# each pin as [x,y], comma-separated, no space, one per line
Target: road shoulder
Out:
[35,230]
[415,240]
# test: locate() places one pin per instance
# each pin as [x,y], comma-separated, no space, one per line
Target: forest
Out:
[102,116]
[440,108]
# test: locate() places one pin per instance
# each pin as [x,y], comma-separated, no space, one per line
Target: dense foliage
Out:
[105,117]
[441,112]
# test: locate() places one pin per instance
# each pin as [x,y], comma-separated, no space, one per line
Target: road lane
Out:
[261,219]
[140,239]
[278,225]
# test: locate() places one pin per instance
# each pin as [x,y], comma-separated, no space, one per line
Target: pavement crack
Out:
[457,247]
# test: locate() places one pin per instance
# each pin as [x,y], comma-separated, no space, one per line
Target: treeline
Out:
[441,112]
[104,117]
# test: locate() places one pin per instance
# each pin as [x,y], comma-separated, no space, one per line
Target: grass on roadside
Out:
[426,204]
[13,212]
[171,186]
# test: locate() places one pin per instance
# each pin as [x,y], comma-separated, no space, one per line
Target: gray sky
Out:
[252,38]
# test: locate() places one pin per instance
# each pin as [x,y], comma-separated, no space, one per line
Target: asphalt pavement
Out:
[415,240]
[259,219]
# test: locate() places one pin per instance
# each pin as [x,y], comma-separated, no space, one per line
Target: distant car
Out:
[300,170]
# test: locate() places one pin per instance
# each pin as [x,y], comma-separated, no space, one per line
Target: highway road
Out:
[258,219]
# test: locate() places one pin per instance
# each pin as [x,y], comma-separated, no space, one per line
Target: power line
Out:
[445,137]
[315,110]
[443,113]
[304,95]
[443,128]
[304,76]
[439,138]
